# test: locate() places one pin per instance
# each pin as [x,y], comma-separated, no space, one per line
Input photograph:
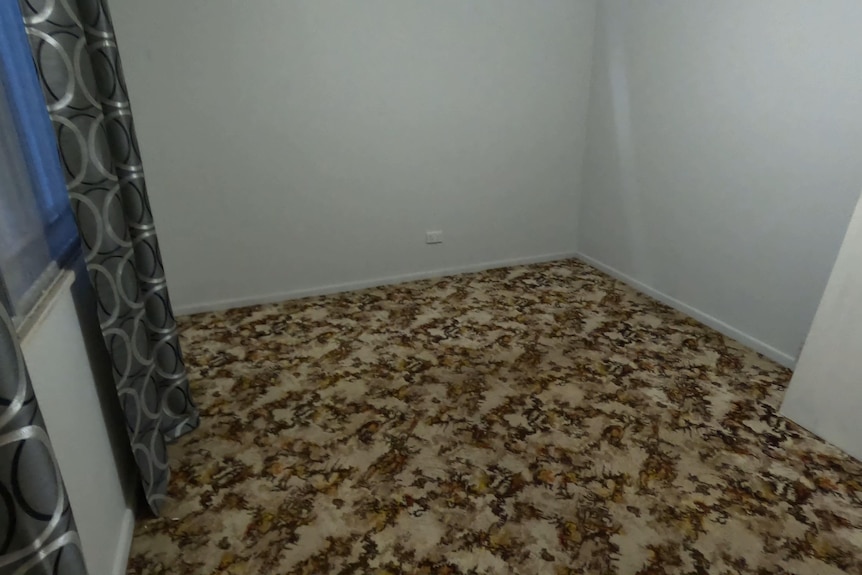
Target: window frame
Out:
[36,137]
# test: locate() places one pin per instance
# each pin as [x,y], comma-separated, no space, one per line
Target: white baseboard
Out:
[124,544]
[774,354]
[757,345]
[364,284]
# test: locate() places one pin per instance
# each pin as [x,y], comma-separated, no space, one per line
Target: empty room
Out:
[430,286]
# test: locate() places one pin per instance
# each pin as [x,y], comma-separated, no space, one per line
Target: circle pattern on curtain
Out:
[78,63]
[37,530]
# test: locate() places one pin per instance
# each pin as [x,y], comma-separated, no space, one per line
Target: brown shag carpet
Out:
[538,419]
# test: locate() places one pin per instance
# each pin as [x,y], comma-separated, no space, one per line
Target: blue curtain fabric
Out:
[78,64]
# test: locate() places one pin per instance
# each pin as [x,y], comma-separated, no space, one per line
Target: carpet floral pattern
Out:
[535,419]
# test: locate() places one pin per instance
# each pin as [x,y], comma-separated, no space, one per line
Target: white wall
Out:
[723,159]
[825,394]
[293,146]
[71,377]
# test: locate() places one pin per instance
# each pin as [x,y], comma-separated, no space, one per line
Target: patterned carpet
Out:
[539,419]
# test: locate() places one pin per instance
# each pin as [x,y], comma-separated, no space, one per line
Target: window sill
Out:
[60,284]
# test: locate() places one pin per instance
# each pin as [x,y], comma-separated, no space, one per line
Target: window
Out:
[37,230]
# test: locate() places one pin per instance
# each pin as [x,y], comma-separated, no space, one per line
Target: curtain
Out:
[37,531]
[76,57]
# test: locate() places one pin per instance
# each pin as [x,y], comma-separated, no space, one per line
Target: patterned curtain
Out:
[37,531]
[76,57]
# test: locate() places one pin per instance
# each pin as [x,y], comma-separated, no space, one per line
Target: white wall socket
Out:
[434,237]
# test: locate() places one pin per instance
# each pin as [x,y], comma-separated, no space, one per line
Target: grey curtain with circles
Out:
[76,57]
[37,531]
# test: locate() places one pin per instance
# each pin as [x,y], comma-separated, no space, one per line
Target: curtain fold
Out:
[37,530]
[76,57]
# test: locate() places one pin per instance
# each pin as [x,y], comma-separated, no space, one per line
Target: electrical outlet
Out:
[433,237]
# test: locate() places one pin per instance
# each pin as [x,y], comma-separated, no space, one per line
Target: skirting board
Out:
[772,353]
[124,543]
[364,284]
[728,330]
